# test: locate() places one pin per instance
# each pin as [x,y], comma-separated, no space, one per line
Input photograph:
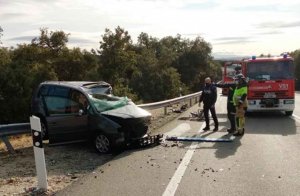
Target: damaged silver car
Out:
[87,111]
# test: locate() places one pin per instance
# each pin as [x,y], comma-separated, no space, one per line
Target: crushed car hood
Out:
[128,111]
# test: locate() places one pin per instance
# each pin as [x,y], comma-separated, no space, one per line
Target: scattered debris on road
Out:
[198,139]
[199,114]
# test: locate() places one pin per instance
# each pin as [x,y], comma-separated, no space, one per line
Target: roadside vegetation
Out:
[147,71]
[296,56]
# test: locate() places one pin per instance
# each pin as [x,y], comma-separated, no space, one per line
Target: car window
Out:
[62,100]
[77,101]
[56,105]
[58,91]
[56,99]
[43,90]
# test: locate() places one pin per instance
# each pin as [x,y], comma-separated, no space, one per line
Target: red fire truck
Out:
[271,83]
[229,72]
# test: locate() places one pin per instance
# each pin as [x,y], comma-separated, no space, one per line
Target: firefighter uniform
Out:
[230,107]
[240,102]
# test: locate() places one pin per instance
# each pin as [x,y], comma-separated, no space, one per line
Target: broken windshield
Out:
[103,102]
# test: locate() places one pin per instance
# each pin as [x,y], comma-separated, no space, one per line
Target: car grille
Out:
[279,94]
[132,127]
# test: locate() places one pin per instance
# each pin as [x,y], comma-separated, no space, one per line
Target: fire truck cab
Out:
[229,72]
[271,83]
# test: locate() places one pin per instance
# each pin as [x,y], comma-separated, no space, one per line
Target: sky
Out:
[232,27]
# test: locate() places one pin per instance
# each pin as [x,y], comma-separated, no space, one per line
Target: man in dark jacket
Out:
[209,98]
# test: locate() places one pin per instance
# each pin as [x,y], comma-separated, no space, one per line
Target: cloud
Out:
[79,40]
[257,8]
[23,38]
[192,34]
[279,24]
[200,6]
[8,16]
[232,40]
[275,32]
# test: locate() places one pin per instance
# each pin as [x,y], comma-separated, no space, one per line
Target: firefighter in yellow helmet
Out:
[240,102]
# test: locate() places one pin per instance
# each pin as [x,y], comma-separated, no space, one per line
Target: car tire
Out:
[288,113]
[44,130]
[102,143]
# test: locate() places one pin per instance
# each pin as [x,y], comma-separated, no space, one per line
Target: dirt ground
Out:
[65,164]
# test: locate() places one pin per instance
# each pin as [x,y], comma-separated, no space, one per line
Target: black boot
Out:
[236,133]
[206,128]
[216,128]
[242,132]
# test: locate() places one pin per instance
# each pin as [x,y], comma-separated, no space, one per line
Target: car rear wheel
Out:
[102,143]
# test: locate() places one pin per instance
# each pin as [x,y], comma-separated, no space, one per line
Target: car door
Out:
[65,121]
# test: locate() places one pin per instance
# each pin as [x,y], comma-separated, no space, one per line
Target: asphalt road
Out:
[265,161]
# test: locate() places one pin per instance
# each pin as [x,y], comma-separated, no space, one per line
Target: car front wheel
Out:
[102,143]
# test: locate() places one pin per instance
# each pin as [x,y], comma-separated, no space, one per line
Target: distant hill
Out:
[228,56]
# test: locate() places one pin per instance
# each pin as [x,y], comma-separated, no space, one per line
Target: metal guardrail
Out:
[170,102]
[23,128]
[13,129]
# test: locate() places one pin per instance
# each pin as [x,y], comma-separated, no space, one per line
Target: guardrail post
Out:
[39,155]
[191,102]
[8,144]
[165,110]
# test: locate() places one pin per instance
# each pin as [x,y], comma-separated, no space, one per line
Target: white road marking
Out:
[295,117]
[174,182]
[222,119]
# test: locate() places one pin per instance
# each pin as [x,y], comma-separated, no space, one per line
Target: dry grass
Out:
[18,142]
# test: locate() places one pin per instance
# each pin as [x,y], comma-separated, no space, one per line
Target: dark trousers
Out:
[212,110]
[231,115]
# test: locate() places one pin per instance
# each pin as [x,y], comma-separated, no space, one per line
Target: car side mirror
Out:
[80,112]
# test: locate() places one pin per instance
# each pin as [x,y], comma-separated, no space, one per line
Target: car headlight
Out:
[290,101]
[251,102]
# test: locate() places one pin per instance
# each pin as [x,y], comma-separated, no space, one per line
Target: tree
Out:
[117,57]
[55,40]
[155,79]
[72,64]
[1,30]
[193,64]
[296,55]
[20,75]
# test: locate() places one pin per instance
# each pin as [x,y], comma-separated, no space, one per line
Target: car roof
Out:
[78,84]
